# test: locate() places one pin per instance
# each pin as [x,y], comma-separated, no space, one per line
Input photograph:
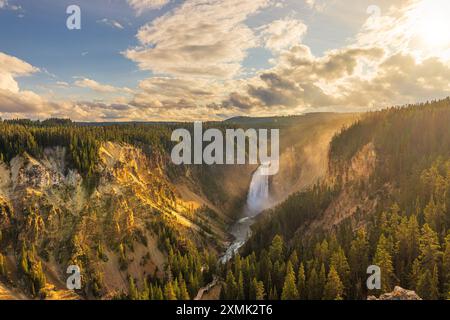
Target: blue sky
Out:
[172,59]
[41,38]
[37,34]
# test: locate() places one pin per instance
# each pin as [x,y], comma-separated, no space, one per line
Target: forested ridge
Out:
[23,135]
[37,231]
[406,234]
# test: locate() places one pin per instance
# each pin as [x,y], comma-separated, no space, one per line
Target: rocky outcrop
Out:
[398,294]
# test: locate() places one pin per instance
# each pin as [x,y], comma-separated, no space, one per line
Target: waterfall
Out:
[258,199]
[258,194]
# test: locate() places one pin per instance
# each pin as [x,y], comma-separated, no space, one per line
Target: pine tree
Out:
[276,250]
[312,283]
[133,292]
[340,264]
[184,295]
[265,267]
[256,290]
[301,282]
[358,262]
[145,294]
[290,291]
[430,249]
[231,287]
[294,259]
[383,260]
[359,253]
[334,288]
[322,280]
[260,293]
[241,294]
[157,293]
[427,285]
[446,265]
[273,294]
[169,293]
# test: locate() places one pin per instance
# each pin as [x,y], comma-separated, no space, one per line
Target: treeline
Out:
[406,140]
[406,234]
[82,142]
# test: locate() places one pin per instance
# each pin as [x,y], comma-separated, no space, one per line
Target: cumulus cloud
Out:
[181,93]
[401,79]
[11,67]
[200,38]
[143,5]
[282,34]
[303,80]
[99,87]
[12,99]
[18,103]
[336,81]
[94,85]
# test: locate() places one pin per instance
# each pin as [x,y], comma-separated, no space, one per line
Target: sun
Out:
[432,23]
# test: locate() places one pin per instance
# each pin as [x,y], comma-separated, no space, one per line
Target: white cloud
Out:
[62,84]
[12,99]
[10,68]
[4,4]
[143,5]
[94,85]
[206,38]
[111,23]
[99,87]
[283,34]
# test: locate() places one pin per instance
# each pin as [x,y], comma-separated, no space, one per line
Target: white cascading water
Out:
[258,194]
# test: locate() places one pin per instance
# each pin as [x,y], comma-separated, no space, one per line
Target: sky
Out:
[174,60]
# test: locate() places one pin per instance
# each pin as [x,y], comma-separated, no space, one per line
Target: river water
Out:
[258,199]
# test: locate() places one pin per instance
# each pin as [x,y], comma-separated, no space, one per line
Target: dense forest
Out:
[406,233]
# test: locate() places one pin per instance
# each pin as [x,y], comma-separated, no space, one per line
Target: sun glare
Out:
[433,23]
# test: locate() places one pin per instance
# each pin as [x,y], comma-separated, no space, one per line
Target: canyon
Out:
[110,230]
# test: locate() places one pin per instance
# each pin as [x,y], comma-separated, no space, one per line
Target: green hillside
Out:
[385,202]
